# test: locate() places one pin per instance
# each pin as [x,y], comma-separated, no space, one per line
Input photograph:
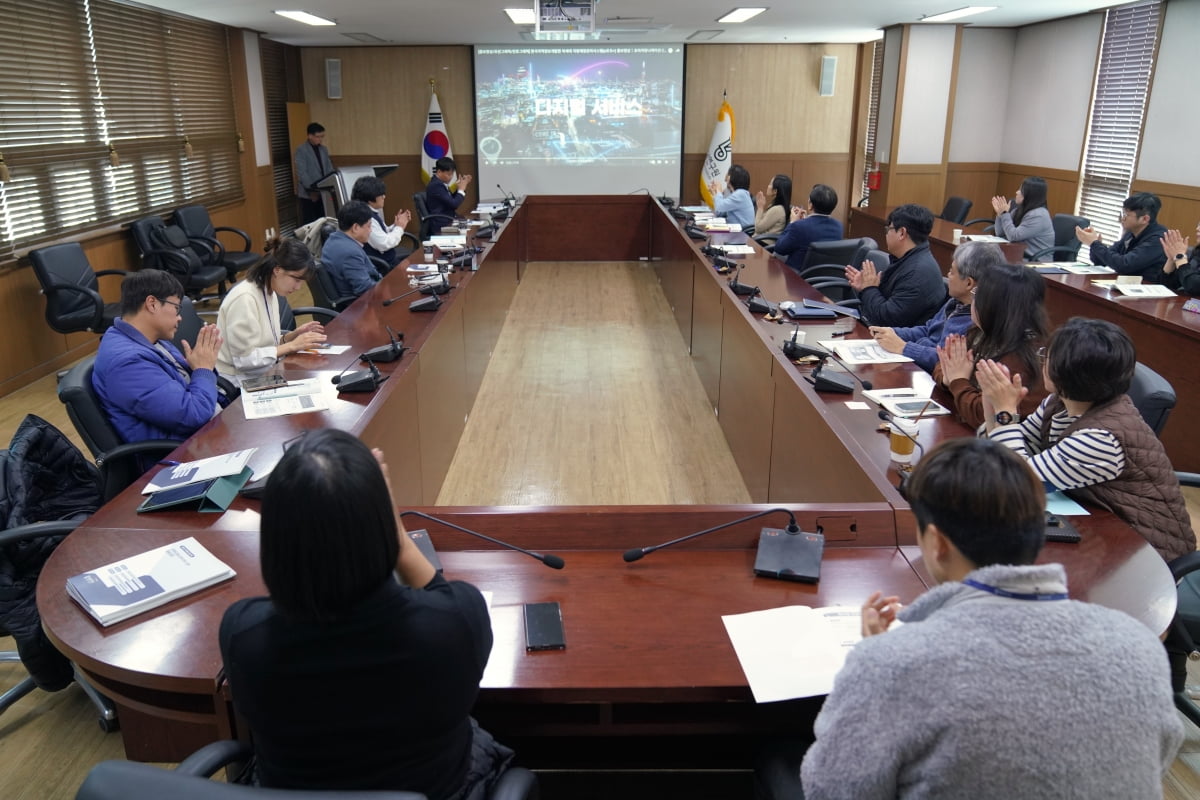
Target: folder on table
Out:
[213,495]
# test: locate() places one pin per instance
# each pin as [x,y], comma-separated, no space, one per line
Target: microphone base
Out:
[822,382]
[758,305]
[789,556]
[742,289]
[383,354]
[361,381]
[427,304]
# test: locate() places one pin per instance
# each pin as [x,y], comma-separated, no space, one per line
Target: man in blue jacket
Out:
[808,225]
[147,387]
[1139,251]
[343,255]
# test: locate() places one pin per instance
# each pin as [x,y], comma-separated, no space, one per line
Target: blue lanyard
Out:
[983,587]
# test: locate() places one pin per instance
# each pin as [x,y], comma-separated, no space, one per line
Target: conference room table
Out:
[1166,336]
[647,653]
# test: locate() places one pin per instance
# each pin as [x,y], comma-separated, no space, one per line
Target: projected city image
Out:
[578,106]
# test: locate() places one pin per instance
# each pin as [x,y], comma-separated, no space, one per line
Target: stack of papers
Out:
[297,397]
[735,249]
[1137,289]
[862,351]
[173,477]
[794,651]
[984,237]
[905,402]
[448,242]
[124,588]
[1087,269]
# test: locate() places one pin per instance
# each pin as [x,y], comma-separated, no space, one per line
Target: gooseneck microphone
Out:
[549,559]
[391,300]
[739,288]
[824,381]
[386,352]
[640,552]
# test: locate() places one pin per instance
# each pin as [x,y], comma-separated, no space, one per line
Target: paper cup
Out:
[902,446]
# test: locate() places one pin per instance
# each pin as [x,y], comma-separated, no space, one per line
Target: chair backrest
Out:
[426,224]
[1064,235]
[956,209]
[190,324]
[119,780]
[1152,395]
[195,221]
[837,251]
[66,311]
[83,407]
[879,258]
[151,234]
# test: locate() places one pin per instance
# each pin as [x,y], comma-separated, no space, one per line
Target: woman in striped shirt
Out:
[1087,438]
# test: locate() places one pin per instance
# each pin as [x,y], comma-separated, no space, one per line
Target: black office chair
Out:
[426,219]
[879,258]
[837,290]
[197,226]
[168,248]
[119,462]
[838,251]
[119,780]
[823,271]
[956,209]
[15,537]
[288,314]
[1066,244]
[73,301]
[1152,395]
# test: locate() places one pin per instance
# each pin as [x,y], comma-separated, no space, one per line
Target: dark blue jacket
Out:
[1135,255]
[798,235]
[910,291]
[922,341]
[438,200]
[348,265]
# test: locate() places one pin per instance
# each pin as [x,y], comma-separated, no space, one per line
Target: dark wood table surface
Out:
[1166,336]
[644,636]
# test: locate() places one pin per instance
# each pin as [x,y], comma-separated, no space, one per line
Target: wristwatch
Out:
[1181,256]
[1006,418]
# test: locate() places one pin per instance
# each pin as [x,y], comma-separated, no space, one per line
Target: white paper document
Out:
[189,472]
[736,249]
[1143,290]
[793,651]
[862,351]
[1086,269]
[448,242]
[696,209]
[295,398]
[984,237]
[905,402]
[329,349]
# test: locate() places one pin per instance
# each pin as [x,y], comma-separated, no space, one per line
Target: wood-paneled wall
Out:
[979,182]
[1180,205]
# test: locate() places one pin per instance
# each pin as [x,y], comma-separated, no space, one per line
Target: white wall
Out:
[258,99]
[1053,74]
[889,75]
[926,94]
[1173,115]
[984,69]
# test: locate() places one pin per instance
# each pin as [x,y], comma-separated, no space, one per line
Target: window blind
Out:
[1127,52]
[872,119]
[274,57]
[82,79]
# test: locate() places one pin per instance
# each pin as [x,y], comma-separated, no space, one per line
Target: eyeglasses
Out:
[1042,352]
[889,228]
[178,306]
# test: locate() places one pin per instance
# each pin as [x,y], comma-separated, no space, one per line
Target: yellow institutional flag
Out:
[720,152]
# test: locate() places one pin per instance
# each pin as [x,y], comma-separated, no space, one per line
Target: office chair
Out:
[288,314]
[426,219]
[1152,395]
[118,462]
[198,227]
[1066,244]
[956,209]
[838,251]
[879,258]
[168,248]
[823,271]
[73,301]
[119,780]
[26,533]
[836,290]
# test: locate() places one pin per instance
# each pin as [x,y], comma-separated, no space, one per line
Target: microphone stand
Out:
[739,288]
[640,552]
[549,559]
[391,300]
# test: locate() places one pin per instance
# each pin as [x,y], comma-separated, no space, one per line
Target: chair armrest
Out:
[416,242]
[91,294]
[1184,565]
[1188,478]
[37,530]
[324,315]
[977,220]
[208,759]
[131,449]
[381,266]
[210,244]
[228,388]
[184,267]
[245,236]
[1045,251]
[516,783]
[103,272]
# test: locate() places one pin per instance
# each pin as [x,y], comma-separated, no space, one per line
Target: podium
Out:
[335,187]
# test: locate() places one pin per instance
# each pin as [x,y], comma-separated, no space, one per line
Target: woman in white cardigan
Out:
[249,316]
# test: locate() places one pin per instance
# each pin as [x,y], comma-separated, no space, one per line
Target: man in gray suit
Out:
[312,164]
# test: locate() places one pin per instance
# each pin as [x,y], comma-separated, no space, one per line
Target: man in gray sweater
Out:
[997,685]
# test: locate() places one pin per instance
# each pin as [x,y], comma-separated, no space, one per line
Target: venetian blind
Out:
[872,119]
[1118,109]
[82,79]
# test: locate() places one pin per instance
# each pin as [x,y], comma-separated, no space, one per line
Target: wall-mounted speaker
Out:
[333,78]
[828,71]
